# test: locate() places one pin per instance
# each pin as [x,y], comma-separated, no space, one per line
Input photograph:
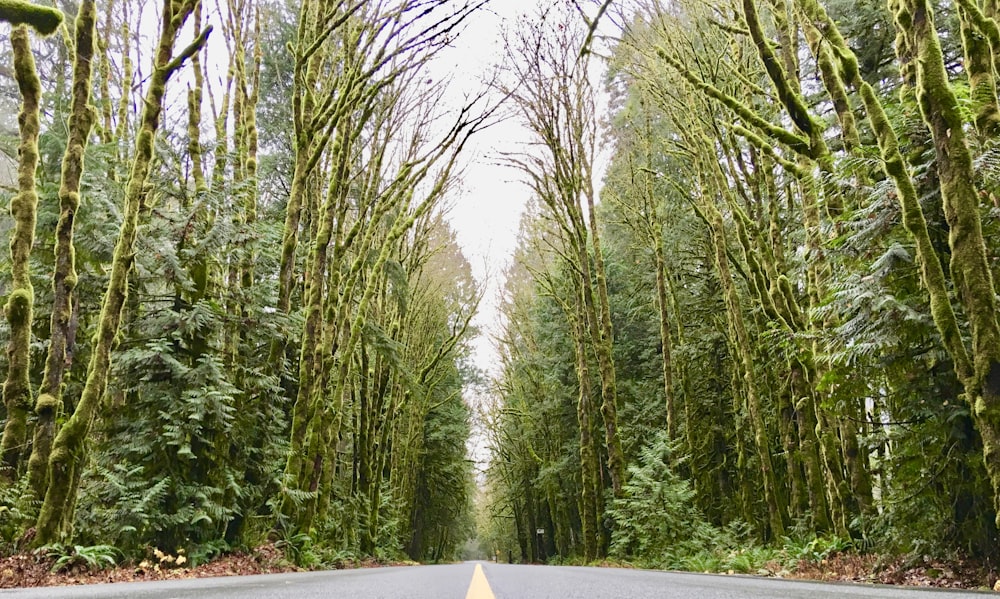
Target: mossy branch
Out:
[789,98]
[761,144]
[834,84]
[795,142]
[197,44]
[984,24]
[43,19]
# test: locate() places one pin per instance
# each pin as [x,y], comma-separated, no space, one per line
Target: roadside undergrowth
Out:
[53,566]
[830,559]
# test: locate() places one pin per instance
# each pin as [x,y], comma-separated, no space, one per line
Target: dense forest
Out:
[235,310]
[755,306]
[752,310]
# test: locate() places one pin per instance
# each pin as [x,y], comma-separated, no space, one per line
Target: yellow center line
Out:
[479,588]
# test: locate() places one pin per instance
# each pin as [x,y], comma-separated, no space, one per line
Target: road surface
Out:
[483,581]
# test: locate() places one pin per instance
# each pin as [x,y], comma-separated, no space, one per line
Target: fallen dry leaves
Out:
[29,570]
[922,572]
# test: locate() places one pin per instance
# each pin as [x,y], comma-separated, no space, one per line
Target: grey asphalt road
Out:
[506,581]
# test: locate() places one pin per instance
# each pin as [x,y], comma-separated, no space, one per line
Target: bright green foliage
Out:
[198,484]
[297,549]
[441,509]
[15,514]
[656,518]
[92,558]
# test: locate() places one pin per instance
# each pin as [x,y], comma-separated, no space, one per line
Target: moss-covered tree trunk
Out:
[604,338]
[20,303]
[970,269]
[979,64]
[776,508]
[834,87]
[856,459]
[105,129]
[666,339]
[589,464]
[124,125]
[311,138]
[68,450]
[64,277]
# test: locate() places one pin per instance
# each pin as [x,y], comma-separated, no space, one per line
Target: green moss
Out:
[790,99]
[796,142]
[43,19]
[834,85]
[47,408]
[18,309]
[16,387]
[982,84]
[46,404]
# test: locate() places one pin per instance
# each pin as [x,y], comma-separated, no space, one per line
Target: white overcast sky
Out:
[487,211]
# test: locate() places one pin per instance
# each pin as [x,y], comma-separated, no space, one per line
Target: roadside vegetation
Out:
[766,338]
[236,316]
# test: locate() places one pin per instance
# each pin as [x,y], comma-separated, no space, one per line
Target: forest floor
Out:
[35,570]
[874,569]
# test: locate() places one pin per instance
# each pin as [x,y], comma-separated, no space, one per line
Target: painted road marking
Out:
[479,588]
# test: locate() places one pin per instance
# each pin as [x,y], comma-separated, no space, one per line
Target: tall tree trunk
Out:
[776,508]
[123,126]
[64,277]
[105,129]
[589,468]
[20,303]
[666,341]
[599,319]
[68,449]
[969,265]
